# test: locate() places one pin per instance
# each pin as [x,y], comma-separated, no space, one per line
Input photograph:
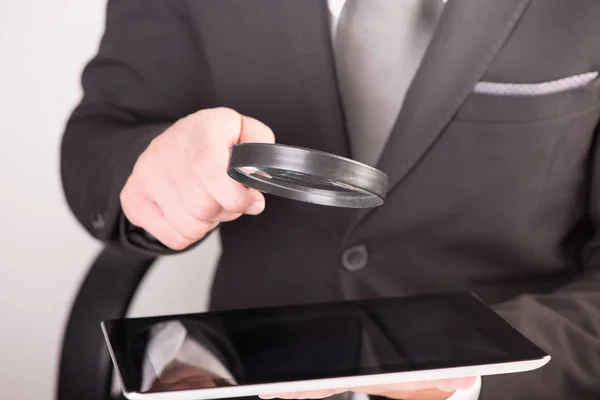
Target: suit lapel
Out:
[308,32]
[468,36]
[308,29]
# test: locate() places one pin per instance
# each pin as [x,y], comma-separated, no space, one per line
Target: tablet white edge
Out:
[331,383]
[341,383]
[114,360]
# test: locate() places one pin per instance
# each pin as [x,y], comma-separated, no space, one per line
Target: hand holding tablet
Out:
[430,390]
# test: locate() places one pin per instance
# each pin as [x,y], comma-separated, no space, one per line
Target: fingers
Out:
[179,189]
[144,213]
[254,131]
[446,385]
[221,128]
[198,203]
[318,394]
[210,164]
[176,213]
[229,194]
[163,217]
[456,383]
[201,206]
[150,202]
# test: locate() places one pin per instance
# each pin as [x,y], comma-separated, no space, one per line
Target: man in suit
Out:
[489,147]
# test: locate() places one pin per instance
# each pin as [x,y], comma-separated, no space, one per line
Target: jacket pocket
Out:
[536,89]
[525,103]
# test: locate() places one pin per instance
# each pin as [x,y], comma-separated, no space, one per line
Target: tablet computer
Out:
[314,347]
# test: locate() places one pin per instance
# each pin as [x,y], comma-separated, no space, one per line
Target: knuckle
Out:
[159,148]
[226,217]
[193,231]
[190,232]
[205,210]
[238,202]
[220,119]
[143,165]
[176,242]
[181,123]
[225,113]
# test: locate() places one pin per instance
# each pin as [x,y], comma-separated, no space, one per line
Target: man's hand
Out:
[425,390]
[179,189]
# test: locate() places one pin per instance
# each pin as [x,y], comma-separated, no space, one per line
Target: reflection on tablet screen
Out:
[282,344]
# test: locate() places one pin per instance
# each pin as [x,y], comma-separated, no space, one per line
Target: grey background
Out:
[43,251]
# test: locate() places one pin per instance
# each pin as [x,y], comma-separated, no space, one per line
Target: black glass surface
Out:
[292,179]
[311,342]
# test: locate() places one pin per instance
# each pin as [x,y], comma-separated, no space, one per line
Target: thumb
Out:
[254,131]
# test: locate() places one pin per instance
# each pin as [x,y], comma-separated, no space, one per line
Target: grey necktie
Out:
[378,46]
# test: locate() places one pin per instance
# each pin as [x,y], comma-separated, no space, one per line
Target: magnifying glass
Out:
[307,175]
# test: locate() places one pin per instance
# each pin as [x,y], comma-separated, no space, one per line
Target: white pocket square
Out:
[535,89]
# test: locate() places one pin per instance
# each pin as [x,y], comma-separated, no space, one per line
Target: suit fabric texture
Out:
[494,194]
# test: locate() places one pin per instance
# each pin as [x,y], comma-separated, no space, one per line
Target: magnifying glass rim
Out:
[366,179]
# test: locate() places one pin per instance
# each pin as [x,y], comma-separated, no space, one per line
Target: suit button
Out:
[355,257]
[98,221]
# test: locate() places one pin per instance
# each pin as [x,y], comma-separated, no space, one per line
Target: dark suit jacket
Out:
[493,194]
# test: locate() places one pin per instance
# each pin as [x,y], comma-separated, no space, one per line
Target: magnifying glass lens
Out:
[296,180]
[307,175]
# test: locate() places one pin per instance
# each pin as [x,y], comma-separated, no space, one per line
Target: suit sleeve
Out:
[148,73]
[565,323]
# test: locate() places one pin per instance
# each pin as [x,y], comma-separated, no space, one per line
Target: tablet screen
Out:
[309,342]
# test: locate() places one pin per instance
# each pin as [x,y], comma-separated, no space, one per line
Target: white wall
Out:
[43,251]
